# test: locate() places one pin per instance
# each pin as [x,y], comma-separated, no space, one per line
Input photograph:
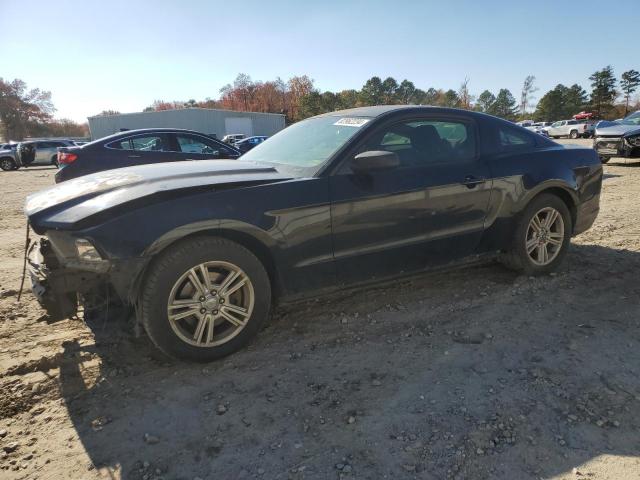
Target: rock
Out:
[151,439]
[3,433]
[261,471]
[347,469]
[376,383]
[409,467]
[10,447]
[480,451]
[344,320]
[339,466]
[221,410]
[351,420]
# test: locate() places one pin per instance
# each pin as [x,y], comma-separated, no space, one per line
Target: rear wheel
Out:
[7,164]
[54,160]
[605,159]
[542,236]
[573,134]
[205,299]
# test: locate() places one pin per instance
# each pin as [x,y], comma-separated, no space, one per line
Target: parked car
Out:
[203,249]
[538,127]
[136,147]
[233,138]
[39,152]
[247,144]
[567,128]
[8,156]
[620,138]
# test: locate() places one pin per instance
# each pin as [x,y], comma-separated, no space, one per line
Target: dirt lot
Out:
[474,374]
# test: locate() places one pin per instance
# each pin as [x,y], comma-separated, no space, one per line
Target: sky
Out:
[123,55]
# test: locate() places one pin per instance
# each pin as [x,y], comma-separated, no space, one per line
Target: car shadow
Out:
[478,373]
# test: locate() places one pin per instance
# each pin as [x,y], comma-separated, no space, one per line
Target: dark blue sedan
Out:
[138,147]
[203,249]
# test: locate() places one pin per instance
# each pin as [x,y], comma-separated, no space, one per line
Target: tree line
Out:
[298,98]
[29,112]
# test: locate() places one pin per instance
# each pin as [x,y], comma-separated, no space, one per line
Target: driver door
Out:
[427,211]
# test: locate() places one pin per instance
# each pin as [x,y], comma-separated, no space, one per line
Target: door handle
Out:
[135,156]
[470,181]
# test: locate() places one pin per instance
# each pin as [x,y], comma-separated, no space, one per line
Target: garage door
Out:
[238,125]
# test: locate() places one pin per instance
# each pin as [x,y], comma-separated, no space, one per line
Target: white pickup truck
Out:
[569,128]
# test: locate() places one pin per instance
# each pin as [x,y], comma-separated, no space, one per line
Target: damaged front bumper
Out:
[624,147]
[56,286]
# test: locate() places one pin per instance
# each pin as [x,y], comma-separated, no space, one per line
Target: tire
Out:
[573,134]
[54,160]
[168,278]
[605,159]
[518,258]
[7,164]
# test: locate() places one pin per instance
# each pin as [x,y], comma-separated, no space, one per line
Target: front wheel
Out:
[542,236]
[574,134]
[205,299]
[605,159]
[7,164]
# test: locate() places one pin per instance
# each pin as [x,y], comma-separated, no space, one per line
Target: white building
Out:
[204,120]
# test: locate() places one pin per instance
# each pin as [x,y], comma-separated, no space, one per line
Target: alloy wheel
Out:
[6,164]
[210,304]
[545,236]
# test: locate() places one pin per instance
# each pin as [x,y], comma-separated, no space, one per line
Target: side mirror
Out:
[374,160]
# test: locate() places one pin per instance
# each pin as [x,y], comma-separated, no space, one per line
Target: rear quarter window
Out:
[510,139]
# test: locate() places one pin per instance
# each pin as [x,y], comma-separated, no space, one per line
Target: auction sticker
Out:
[352,121]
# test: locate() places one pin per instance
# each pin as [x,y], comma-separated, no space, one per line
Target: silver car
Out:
[40,152]
[620,138]
[8,157]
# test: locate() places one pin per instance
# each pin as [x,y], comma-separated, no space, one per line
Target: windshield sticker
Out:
[352,122]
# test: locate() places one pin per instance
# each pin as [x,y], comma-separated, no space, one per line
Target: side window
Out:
[202,146]
[124,144]
[510,139]
[189,144]
[149,143]
[424,142]
[43,145]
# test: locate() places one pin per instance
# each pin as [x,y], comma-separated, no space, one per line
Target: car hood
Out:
[81,197]
[616,129]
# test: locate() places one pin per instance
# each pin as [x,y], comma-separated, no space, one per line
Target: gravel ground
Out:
[472,374]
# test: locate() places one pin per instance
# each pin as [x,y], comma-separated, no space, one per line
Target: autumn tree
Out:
[465,98]
[22,108]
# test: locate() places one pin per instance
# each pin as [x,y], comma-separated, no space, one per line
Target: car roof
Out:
[379,110]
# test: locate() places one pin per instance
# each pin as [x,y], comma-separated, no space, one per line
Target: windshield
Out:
[304,147]
[633,119]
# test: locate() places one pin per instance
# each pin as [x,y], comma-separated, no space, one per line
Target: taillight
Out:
[66,158]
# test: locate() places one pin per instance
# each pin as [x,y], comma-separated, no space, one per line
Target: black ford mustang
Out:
[202,249]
